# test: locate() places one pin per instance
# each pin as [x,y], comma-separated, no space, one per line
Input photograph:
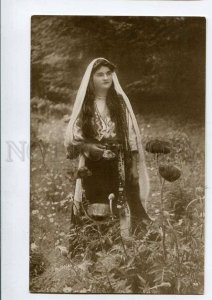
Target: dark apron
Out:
[107,177]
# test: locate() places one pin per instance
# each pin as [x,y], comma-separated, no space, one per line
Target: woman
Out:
[103,128]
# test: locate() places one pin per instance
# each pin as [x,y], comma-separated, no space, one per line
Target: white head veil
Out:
[69,140]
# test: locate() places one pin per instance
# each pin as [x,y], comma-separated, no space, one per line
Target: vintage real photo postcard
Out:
[117,155]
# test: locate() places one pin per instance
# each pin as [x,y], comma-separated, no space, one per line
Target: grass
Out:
[104,263]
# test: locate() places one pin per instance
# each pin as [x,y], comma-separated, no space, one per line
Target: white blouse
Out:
[105,128]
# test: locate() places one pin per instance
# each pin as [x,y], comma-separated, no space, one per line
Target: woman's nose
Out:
[105,76]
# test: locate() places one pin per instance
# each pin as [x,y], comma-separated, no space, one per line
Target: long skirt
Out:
[105,180]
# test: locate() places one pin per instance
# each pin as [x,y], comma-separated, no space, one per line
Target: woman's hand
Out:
[108,154]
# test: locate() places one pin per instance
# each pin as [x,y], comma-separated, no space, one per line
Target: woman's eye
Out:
[103,74]
[100,75]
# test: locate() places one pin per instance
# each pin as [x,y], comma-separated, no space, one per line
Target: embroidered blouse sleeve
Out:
[77,131]
[132,135]
[74,149]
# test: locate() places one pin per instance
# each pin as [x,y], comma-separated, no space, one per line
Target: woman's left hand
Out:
[108,154]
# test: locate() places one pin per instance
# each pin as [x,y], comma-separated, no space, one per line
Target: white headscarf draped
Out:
[144,186]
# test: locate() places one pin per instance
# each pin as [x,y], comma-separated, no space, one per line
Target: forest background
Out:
[161,61]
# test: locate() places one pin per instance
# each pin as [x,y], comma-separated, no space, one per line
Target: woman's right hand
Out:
[93,151]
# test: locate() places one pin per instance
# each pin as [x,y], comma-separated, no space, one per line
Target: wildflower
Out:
[63,250]
[33,247]
[67,289]
[159,147]
[169,172]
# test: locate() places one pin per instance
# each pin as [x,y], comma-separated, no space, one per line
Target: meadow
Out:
[172,264]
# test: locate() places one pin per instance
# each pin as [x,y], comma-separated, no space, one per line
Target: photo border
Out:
[15,95]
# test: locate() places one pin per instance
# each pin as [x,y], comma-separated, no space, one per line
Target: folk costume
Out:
[109,176]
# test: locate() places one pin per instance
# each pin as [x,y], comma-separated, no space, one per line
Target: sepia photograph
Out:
[117,155]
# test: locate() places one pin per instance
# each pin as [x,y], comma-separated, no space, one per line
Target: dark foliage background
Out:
[161,61]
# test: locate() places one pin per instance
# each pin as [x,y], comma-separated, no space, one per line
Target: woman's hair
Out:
[114,102]
[102,62]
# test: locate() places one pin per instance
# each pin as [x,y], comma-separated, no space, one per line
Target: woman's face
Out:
[102,78]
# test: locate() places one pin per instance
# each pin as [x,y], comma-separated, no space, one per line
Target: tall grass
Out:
[98,260]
